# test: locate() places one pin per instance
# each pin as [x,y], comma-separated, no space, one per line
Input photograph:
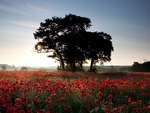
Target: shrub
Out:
[24,68]
[3,67]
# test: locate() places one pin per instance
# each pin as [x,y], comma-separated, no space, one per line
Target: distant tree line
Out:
[4,67]
[141,67]
[24,68]
[69,42]
[8,67]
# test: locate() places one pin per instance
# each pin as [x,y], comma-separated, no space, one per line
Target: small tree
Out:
[141,67]
[99,47]
[4,67]
[24,68]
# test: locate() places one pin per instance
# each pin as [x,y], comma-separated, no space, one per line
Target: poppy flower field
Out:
[79,92]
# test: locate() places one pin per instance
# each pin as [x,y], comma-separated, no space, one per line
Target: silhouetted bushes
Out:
[3,67]
[141,67]
[24,68]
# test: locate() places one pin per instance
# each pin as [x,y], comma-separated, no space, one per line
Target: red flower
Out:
[83,94]
[35,101]
[133,103]
[129,99]
[40,111]
[48,106]
[11,110]
[137,110]
[125,106]
[63,99]
[109,96]
[48,100]
[106,102]
[47,111]
[56,104]
[120,92]
[100,94]
[140,102]
[107,110]
[91,92]
[29,109]
[53,95]
[18,100]
[117,110]
[66,107]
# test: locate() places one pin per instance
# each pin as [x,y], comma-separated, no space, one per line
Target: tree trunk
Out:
[62,65]
[92,62]
[81,64]
[72,66]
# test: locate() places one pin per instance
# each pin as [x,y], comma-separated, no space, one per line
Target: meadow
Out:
[78,92]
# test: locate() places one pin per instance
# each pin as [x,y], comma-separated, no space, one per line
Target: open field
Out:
[79,92]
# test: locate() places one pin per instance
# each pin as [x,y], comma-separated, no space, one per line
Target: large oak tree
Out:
[68,41]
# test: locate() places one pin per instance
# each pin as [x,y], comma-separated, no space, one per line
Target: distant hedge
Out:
[141,67]
[24,68]
[4,67]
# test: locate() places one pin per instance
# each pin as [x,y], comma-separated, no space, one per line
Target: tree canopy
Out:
[69,42]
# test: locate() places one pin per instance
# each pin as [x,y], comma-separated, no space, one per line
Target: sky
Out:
[127,21]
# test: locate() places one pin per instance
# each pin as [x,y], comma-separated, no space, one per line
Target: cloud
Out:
[23,8]
[43,9]
[29,24]
[6,8]
[36,8]
[29,9]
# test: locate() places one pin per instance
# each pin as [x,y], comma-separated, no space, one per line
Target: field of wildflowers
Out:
[66,92]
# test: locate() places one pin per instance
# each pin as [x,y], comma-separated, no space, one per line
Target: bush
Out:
[24,68]
[141,67]
[80,69]
[93,70]
[3,67]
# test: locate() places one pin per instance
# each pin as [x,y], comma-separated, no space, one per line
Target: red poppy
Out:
[100,94]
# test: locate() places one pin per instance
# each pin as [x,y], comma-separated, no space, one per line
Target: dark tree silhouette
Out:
[141,67]
[68,41]
[99,47]
[52,36]
[47,34]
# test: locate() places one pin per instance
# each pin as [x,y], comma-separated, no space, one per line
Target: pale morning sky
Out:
[127,21]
